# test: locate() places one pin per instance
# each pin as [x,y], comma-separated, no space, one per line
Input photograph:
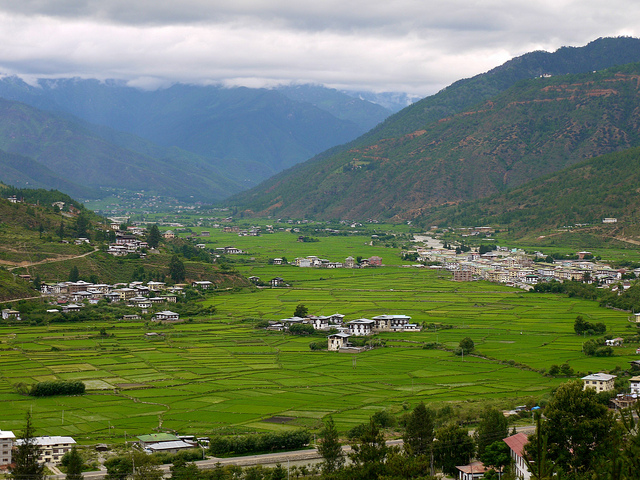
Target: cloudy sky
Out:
[415,46]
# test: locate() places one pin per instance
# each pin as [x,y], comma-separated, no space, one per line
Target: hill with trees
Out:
[534,128]
[585,193]
[247,134]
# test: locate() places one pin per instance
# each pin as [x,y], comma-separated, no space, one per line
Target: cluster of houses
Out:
[515,268]
[71,296]
[126,244]
[50,451]
[339,341]
[316,262]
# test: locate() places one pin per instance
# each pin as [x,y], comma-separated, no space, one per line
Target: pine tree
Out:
[74,274]
[25,459]
[74,465]
[177,271]
[418,436]
[330,448]
[493,427]
[153,236]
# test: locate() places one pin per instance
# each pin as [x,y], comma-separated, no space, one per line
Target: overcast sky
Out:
[415,46]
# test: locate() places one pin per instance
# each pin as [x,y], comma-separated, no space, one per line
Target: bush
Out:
[57,387]
[301,329]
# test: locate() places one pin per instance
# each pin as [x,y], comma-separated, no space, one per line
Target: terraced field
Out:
[218,374]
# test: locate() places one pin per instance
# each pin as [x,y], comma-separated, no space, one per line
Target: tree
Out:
[496,455]
[369,454]
[177,271]
[301,311]
[82,223]
[74,274]
[25,458]
[181,470]
[465,346]
[493,427]
[418,435]
[154,236]
[73,461]
[578,427]
[60,230]
[330,448]
[145,467]
[536,455]
[453,446]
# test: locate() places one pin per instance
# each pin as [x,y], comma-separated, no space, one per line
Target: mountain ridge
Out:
[536,127]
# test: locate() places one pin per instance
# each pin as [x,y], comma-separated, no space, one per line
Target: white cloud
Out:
[403,45]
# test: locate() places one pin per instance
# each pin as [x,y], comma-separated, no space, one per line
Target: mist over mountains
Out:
[532,116]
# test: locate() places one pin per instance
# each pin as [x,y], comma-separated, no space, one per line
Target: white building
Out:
[516,445]
[361,327]
[337,341]
[601,382]
[6,444]
[52,449]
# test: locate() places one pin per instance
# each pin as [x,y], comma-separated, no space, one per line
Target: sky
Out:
[412,46]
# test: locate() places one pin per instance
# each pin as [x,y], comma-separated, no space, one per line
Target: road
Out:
[295,457]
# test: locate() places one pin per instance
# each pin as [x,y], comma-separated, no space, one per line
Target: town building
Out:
[601,382]
[52,449]
[6,445]
[516,445]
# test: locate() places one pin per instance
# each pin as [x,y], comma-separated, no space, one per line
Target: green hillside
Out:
[585,193]
[248,134]
[82,157]
[532,129]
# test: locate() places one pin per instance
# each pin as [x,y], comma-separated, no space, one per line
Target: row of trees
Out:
[270,442]
[51,388]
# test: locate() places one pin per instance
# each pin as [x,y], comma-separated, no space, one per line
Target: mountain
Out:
[585,193]
[363,112]
[426,155]
[23,171]
[248,134]
[71,157]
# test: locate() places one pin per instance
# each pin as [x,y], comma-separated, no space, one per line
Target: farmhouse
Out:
[166,316]
[635,385]
[361,327]
[52,449]
[601,382]
[337,341]
[391,322]
[8,314]
[614,342]
[6,444]
[320,322]
[516,445]
[203,285]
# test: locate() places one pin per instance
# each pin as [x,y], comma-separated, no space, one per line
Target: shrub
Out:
[57,387]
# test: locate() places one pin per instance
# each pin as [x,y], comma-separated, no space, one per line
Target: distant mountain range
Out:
[530,117]
[245,135]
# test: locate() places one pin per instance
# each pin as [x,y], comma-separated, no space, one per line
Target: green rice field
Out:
[220,375]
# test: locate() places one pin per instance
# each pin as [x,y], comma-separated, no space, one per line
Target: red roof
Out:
[517,442]
[473,467]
